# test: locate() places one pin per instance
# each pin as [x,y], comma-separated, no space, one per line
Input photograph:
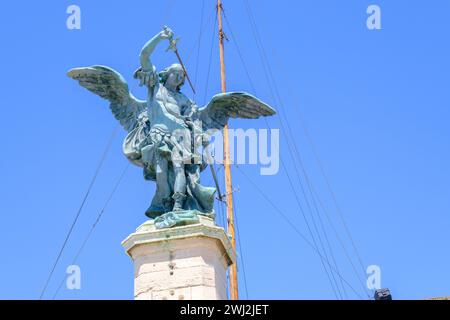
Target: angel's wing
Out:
[232,104]
[110,85]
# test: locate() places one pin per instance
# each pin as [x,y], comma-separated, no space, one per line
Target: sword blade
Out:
[184,69]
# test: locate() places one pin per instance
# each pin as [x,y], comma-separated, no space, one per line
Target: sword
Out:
[173,46]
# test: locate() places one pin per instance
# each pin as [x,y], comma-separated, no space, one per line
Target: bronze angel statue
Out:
[164,130]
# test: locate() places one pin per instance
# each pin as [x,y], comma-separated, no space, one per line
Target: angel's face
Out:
[175,78]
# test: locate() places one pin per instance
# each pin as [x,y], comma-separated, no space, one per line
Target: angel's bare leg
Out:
[179,187]
[162,179]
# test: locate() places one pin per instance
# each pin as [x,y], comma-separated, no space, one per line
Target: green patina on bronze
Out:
[168,131]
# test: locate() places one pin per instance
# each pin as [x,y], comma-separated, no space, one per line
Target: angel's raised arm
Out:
[147,71]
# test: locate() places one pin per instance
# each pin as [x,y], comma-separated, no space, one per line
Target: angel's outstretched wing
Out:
[110,85]
[232,104]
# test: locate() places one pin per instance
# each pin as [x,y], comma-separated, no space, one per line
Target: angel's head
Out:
[173,76]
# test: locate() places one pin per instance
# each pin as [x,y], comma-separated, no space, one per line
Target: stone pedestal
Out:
[188,262]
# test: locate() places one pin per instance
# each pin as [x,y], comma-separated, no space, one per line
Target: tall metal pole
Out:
[226,160]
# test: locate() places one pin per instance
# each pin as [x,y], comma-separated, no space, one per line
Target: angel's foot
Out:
[179,198]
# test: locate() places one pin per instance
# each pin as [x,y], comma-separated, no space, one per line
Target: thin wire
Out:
[294,145]
[310,230]
[280,212]
[320,202]
[322,225]
[341,242]
[292,225]
[241,255]
[332,280]
[210,58]
[91,231]
[100,164]
[257,36]
[333,196]
[199,44]
[223,221]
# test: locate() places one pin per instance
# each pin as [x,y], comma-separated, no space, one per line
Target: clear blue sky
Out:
[376,104]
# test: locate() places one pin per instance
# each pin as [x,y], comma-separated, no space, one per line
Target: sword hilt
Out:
[173,47]
[172,42]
